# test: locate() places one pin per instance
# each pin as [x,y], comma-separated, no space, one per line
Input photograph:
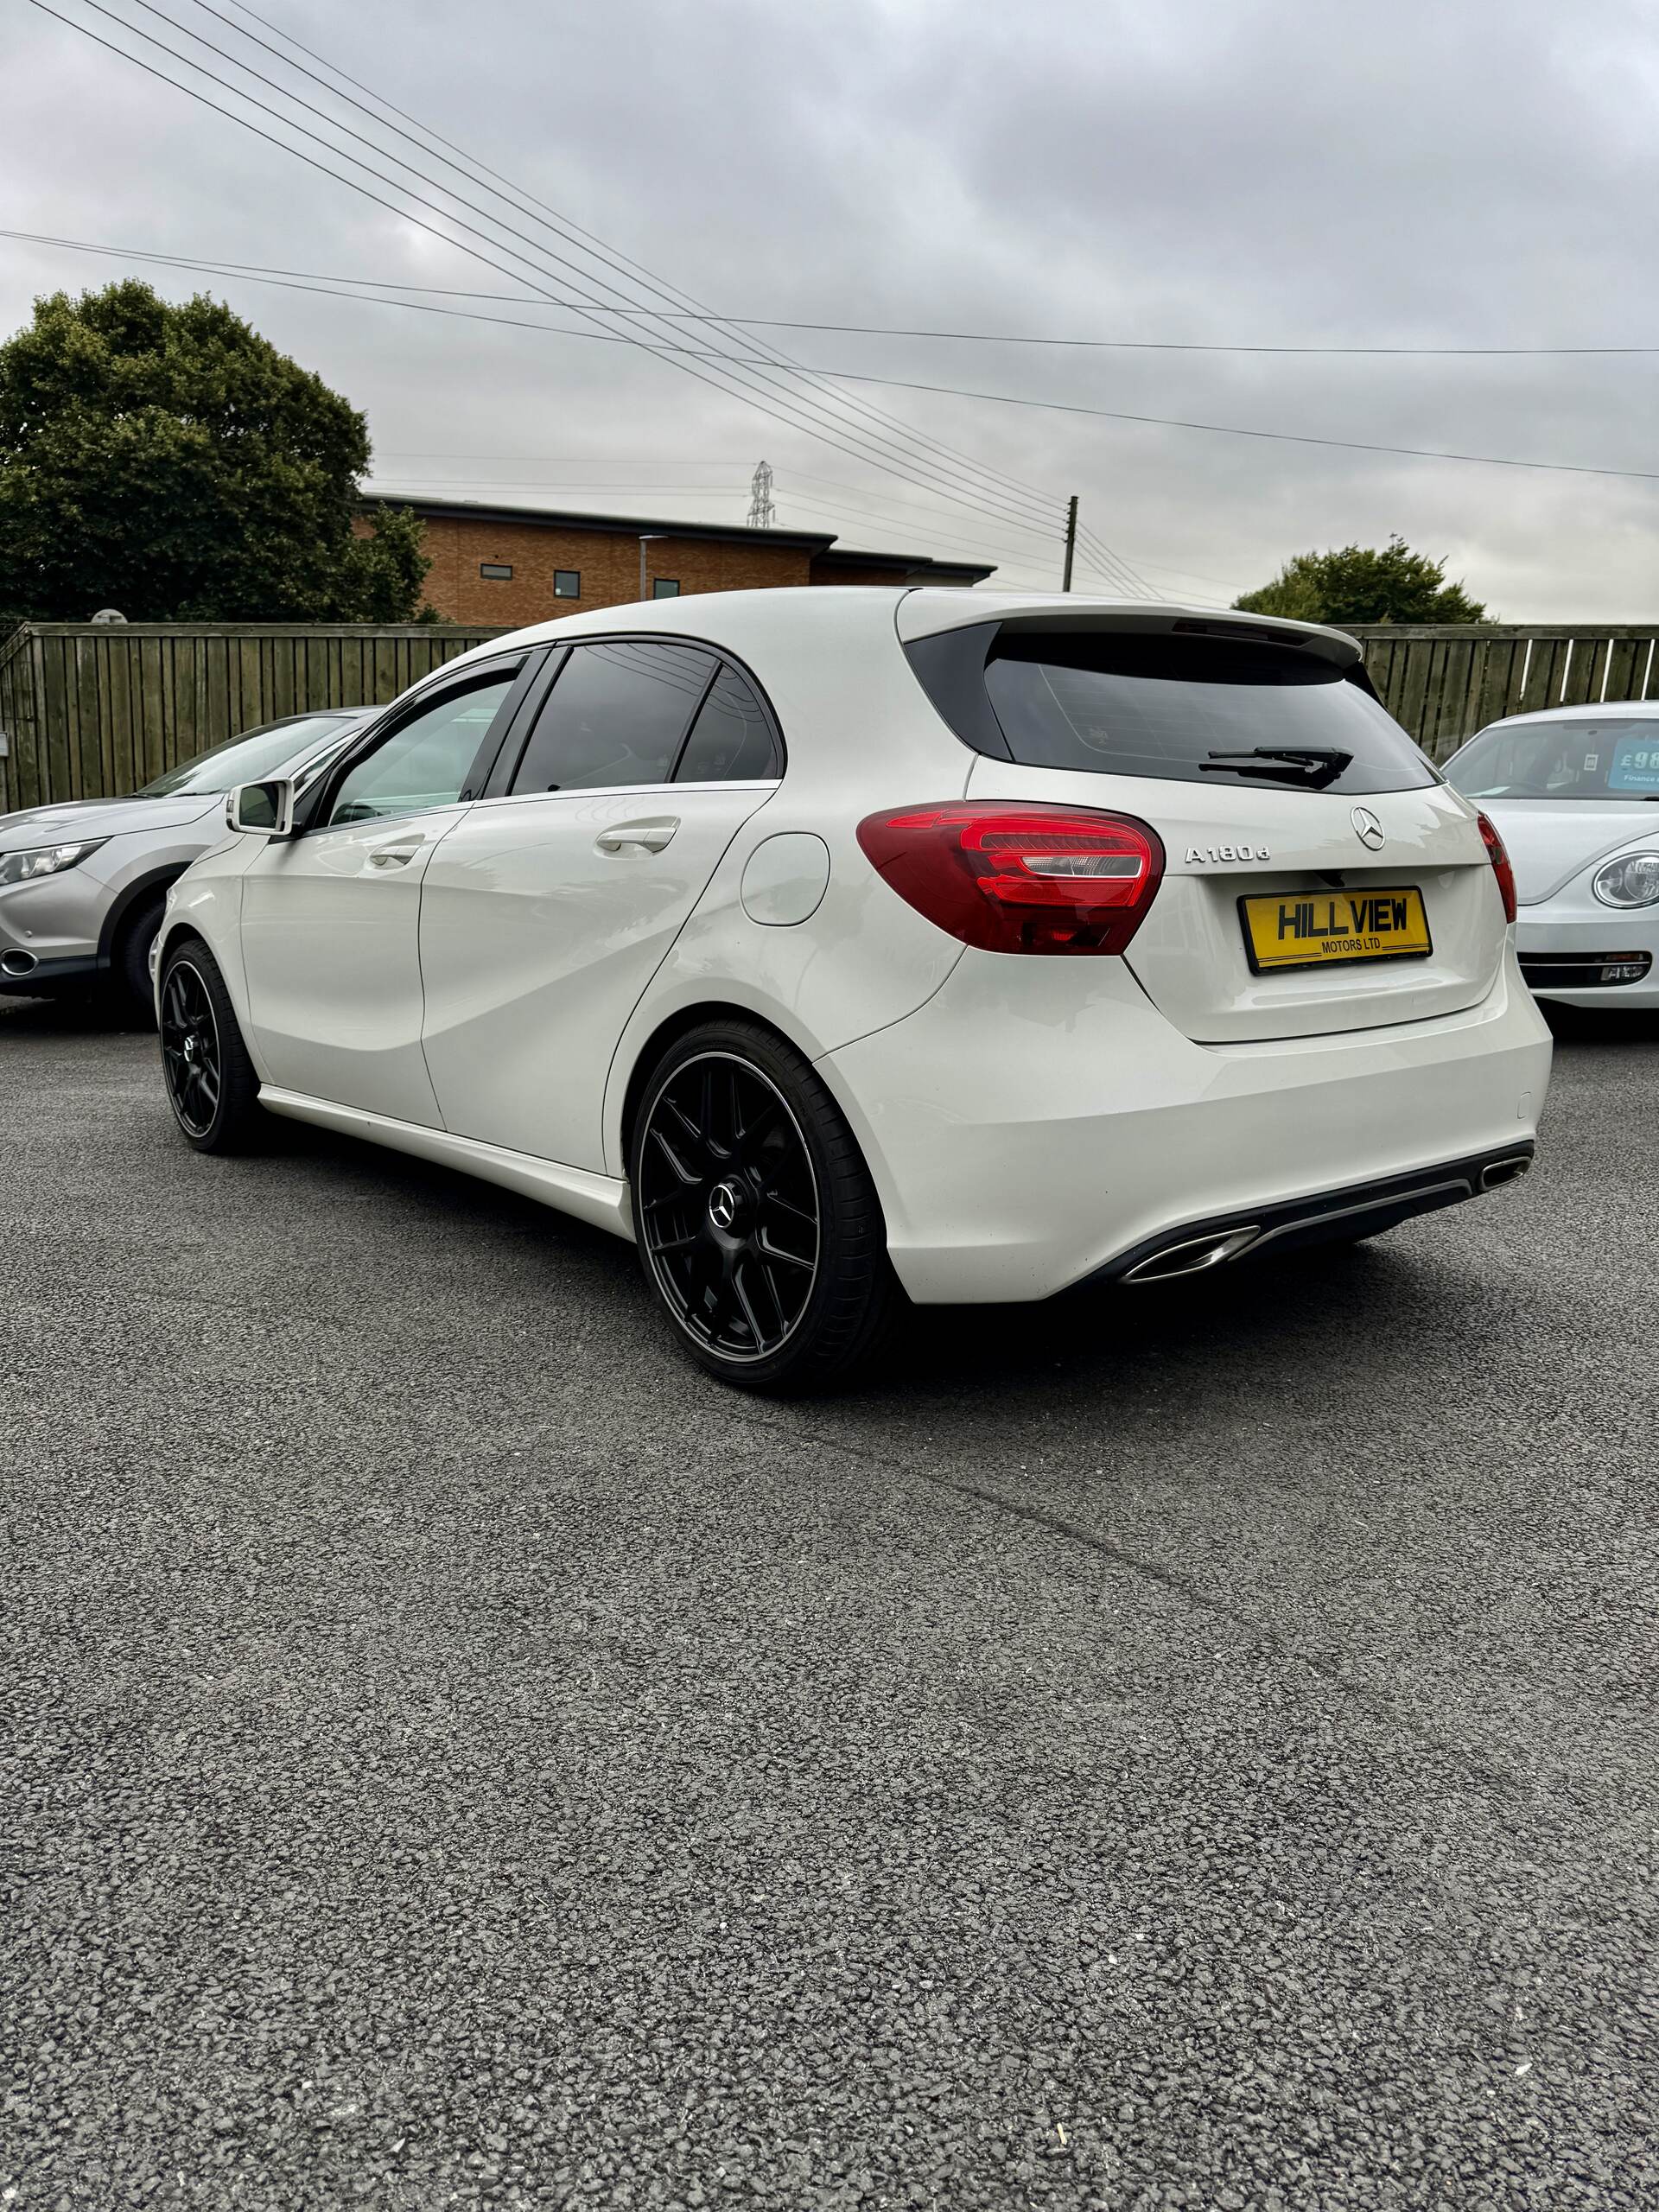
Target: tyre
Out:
[211,1084]
[129,969]
[759,1227]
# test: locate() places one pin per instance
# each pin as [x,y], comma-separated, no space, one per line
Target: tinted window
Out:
[1615,759]
[730,741]
[425,762]
[249,758]
[1145,704]
[615,715]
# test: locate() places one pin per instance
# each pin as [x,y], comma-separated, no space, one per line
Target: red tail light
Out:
[1020,879]
[1501,869]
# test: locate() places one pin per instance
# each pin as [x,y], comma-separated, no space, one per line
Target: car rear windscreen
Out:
[1195,709]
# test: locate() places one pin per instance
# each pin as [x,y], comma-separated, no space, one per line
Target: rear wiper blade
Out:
[1315,766]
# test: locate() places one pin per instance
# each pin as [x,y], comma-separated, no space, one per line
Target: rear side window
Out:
[1192,709]
[731,741]
[615,715]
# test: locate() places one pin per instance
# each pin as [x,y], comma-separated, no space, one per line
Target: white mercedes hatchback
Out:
[836,943]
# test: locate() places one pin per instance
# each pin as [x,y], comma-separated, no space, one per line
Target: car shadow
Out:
[85,1015]
[1584,1025]
[1416,1293]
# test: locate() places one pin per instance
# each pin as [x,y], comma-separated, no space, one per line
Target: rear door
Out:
[1319,875]
[547,911]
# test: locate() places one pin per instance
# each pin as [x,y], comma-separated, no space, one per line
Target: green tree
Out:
[1364,584]
[170,462]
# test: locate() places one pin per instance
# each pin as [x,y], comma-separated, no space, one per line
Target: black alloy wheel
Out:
[758,1224]
[190,1049]
[729,1207]
[211,1083]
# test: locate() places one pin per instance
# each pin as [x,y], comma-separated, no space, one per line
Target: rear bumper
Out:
[1029,1129]
[1322,1217]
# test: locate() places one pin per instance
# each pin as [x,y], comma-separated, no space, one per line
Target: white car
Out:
[83,883]
[833,944]
[1575,792]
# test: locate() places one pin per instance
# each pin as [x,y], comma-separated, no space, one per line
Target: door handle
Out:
[652,835]
[395,855]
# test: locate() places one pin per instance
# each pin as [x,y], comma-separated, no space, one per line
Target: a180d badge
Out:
[1200,855]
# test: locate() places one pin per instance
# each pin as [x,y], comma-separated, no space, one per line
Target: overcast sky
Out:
[1440,171]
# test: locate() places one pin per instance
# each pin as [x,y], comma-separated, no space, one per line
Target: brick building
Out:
[512,565]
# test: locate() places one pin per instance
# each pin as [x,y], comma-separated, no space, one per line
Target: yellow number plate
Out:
[1323,929]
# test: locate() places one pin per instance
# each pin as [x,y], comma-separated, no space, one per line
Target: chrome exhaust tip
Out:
[18,962]
[1194,1256]
[1497,1172]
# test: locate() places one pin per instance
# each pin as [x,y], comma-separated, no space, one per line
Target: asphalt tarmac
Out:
[1186,1749]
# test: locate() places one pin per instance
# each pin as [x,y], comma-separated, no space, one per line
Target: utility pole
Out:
[647,538]
[1071,540]
[762,513]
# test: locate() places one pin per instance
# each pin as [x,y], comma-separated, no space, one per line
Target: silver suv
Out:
[82,885]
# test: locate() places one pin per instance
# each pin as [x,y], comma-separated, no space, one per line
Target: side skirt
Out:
[595,1199]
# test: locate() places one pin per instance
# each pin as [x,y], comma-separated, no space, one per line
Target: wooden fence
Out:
[1445,683]
[88,709]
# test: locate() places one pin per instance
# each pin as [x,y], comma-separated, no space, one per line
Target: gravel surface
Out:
[1194,1750]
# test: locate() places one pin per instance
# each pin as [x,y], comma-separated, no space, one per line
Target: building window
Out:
[665,587]
[566,583]
[498,572]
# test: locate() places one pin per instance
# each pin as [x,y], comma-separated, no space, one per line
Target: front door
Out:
[330,919]
[549,909]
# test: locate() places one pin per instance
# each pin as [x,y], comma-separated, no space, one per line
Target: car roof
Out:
[812,615]
[1611,711]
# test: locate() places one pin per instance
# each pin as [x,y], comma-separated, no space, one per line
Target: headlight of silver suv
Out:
[1631,881]
[45,859]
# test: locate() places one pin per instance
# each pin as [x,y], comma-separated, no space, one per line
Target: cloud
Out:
[1204,169]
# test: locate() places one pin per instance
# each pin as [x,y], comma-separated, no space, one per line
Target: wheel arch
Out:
[130,897]
[643,1056]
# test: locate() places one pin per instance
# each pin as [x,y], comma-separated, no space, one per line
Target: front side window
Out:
[425,761]
[566,583]
[1616,757]
[615,715]
[731,741]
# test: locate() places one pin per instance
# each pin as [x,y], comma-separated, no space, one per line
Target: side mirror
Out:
[261,810]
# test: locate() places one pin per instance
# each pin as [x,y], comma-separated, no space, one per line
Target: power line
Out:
[549,220]
[612,256]
[683,356]
[813,422]
[1105,558]
[473,483]
[893,330]
[1234,430]
[1163,344]
[295,283]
